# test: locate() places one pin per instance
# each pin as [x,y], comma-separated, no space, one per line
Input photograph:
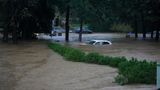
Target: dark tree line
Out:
[142,15]
[23,18]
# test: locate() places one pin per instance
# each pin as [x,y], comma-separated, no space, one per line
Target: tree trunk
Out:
[5,34]
[136,27]
[67,24]
[143,25]
[157,35]
[14,36]
[80,32]
[152,34]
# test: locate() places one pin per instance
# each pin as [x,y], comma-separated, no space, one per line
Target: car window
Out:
[97,43]
[105,43]
[91,42]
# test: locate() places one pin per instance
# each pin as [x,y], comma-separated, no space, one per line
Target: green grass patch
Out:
[130,71]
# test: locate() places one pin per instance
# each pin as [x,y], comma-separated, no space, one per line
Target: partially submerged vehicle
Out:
[100,42]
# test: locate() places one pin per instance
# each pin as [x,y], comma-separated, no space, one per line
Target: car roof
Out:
[102,41]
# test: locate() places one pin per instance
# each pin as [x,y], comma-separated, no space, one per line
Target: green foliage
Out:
[23,18]
[74,55]
[69,53]
[130,71]
[105,60]
[138,71]
[93,58]
[101,15]
[120,79]
[121,28]
[114,61]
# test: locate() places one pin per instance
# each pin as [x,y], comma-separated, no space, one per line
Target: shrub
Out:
[138,71]
[121,27]
[120,79]
[104,61]
[69,53]
[75,55]
[93,58]
[114,61]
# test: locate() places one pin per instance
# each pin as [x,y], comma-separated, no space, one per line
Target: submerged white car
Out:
[100,42]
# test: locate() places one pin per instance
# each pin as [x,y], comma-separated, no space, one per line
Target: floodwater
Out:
[129,47]
[16,60]
[33,66]
[121,46]
[148,50]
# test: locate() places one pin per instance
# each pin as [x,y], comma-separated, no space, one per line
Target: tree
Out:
[138,13]
[26,17]
[79,10]
[67,23]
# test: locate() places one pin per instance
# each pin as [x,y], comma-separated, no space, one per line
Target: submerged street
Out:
[33,66]
[121,46]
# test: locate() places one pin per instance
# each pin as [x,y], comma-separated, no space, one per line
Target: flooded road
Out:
[121,46]
[33,66]
[16,60]
[143,50]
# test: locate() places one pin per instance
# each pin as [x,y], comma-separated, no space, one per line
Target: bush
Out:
[138,71]
[93,58]
[58,48]
[75,55]
[120,79]
[114,61]
[69,53]
[130,71]
[104,61]
[121,28]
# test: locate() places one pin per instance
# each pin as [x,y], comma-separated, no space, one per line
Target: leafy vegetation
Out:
[23,18]
[138,71]
[121,28]
[101,16]
[68,53]
[130,71]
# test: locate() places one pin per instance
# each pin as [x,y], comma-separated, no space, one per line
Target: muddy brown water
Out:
[33,66]
[16,60]
[121,46]
[141,49]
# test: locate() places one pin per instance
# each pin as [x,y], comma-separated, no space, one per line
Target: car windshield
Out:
[91,42]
